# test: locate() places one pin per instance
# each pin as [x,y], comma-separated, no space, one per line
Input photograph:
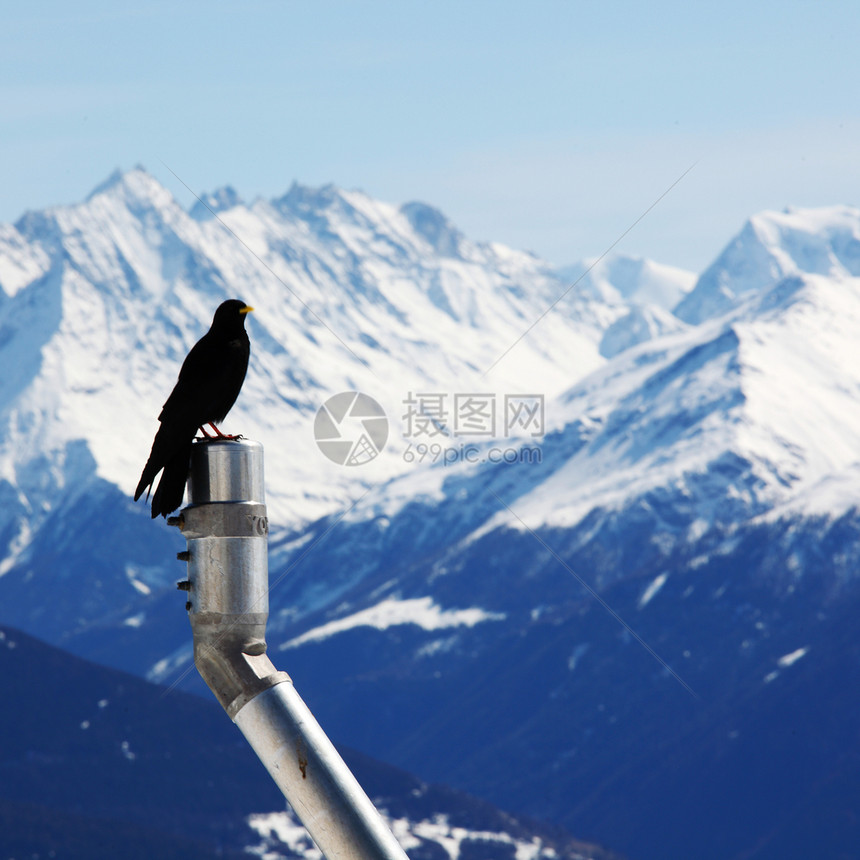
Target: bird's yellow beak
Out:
[246,310]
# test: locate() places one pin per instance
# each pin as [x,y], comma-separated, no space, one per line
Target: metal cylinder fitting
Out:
[227,528]
[226,470]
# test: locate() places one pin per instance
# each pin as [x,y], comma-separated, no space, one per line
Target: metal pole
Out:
[226,527]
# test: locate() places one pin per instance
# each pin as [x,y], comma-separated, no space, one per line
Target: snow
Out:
[732,421]
[830,496]
[732,409]
[451,837]
[653,587]
[165,667]
[618,278]
[281,830]
[638,326]
[21,262]
[577,654]
[785,662]
[421,611]
[790,659]
[771,246]
[278,829]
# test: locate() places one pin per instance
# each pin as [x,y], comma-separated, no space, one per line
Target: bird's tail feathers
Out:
[146,479]
[170,491]
[164,449]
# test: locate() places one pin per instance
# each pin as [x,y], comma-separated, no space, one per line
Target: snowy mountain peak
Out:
[112,180]
[208,205]
[634,280]
[305,200]
[641,324]
[134,188]
[770,246]
[433,226]
[731,418]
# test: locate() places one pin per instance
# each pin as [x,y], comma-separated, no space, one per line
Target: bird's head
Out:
[230,314]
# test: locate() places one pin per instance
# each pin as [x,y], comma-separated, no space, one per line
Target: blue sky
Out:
[550,126]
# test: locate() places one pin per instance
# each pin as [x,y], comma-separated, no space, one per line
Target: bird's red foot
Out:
[218,433]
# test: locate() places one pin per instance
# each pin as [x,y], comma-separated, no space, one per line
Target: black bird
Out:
[210,380]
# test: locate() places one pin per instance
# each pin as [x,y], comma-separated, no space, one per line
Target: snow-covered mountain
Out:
[528,615]
[100,302]
[634,280]
[649,289]
[662,457]
[771,246]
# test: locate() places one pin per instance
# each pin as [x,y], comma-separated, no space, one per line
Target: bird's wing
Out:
[181,414]
[196,386]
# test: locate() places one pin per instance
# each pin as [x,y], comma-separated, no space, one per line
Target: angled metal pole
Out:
[226,527]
